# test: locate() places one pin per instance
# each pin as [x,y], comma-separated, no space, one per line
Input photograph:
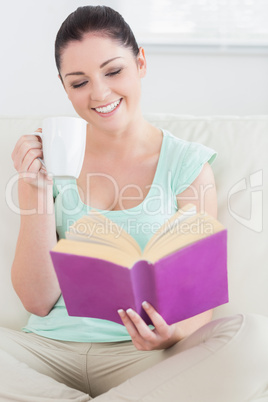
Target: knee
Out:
[7,339]
[250,351]
[248,332]
[254,331]
[3,337]
[247,335]
[254,324]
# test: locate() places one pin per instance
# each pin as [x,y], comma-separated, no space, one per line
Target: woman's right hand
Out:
[25,159]
[33,276]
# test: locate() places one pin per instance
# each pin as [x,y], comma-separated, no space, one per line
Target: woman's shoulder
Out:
[185,159]
[176,144]
[186,149]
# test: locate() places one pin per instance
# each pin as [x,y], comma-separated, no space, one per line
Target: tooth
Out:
[108,108]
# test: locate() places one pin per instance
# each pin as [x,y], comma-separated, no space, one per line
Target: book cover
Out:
[180,285]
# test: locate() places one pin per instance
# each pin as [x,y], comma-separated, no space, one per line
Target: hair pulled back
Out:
[96,19]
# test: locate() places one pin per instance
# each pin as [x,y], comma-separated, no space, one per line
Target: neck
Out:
[127,141]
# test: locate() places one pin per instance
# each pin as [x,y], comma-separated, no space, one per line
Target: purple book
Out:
[187,282]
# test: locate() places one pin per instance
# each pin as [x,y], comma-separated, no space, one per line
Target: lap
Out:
[226,360]
[205,356]
[62,361]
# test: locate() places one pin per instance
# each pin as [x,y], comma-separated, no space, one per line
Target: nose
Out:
[99,90]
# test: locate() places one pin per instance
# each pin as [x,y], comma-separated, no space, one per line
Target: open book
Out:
[182,271]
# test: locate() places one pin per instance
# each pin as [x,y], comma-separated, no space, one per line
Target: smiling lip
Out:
[108,113]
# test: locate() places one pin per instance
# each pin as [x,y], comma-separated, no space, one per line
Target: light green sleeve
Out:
[55,189]
[194,158]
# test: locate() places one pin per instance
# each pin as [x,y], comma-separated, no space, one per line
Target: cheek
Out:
[134,90]
[77,98]
[131,87]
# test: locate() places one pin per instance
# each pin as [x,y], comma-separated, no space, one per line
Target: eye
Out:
[114,73]
[79,85]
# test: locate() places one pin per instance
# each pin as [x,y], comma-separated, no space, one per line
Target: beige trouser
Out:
[224,361]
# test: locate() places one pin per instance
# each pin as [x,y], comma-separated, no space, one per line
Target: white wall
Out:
[207,84]
[185,83]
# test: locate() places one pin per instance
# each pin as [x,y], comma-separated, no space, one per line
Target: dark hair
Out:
[100,19]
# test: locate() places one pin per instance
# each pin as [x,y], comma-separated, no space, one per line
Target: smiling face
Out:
[102,80]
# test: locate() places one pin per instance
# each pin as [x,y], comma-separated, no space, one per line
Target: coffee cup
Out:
[63,141]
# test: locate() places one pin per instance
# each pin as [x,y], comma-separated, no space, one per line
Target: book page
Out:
[181,215]
[187,232]
[94,250]
[98,229]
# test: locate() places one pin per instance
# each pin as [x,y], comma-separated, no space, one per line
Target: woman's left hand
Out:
[161,337]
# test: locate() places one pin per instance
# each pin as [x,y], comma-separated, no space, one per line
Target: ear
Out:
[142,64]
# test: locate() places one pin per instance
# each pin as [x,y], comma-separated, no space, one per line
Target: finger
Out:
[22,147]
[142,328]
[39,130]
[158,321]
[27,137]
[132,330]
[36,166]
[26,149]
[30,161]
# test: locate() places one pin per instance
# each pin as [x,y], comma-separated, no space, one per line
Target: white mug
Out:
[63,141]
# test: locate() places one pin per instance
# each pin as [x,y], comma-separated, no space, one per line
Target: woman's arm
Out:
[202,193]
[32,274]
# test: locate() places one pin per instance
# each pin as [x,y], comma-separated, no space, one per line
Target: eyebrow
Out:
[101,66]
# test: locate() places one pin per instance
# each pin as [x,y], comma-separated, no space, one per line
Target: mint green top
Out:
[180,162]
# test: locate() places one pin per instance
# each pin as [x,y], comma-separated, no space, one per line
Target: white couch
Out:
[241,172]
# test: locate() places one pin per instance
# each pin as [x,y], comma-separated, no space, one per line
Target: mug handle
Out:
[40,159]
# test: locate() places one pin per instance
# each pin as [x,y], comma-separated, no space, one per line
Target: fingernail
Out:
[120,311]
[130,311]
[145,304]
[50,176]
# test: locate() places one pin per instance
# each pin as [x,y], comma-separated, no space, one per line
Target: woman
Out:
[72,358]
